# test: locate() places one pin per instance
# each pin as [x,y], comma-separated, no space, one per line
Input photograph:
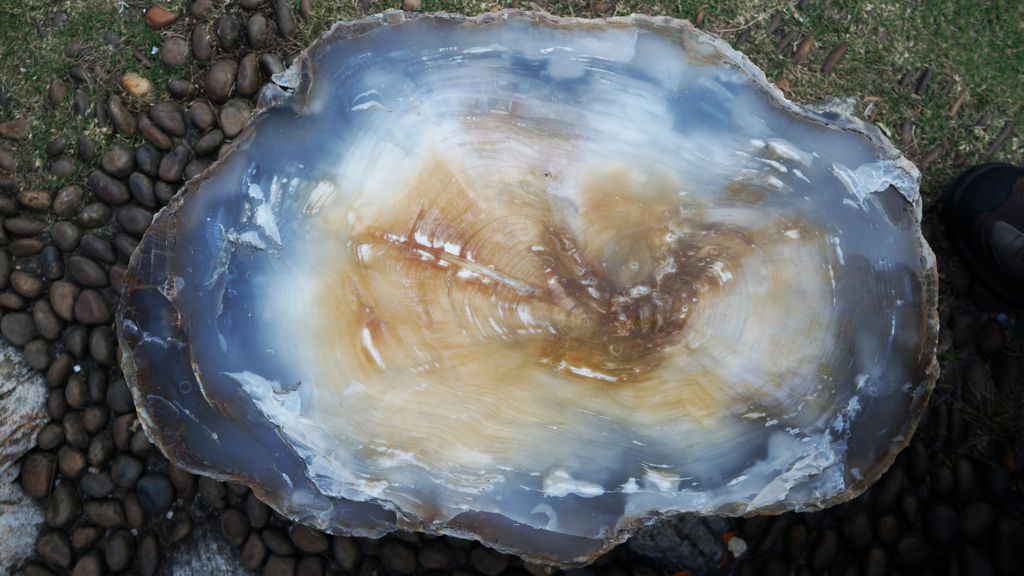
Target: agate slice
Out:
[535,281]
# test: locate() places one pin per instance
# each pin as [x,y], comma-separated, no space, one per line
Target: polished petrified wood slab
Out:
[534,280]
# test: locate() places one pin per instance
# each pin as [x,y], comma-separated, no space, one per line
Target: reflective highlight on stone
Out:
[533,281]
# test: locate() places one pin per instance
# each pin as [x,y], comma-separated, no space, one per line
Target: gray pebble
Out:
[173,163]
[148,555]
[174,52]
[125,471]
[50,437]
[234,116]
[256,30]
[134,219]
[85,148]
[95,417]
[39,354]
[119,551]
[220,80]
[101,449]
[87,272]
[209,142]
[24,226]
[120,118]
[117,161]
[141,187]
[201,46]
[276,541]
[279,566]
[228,32]
[153,134]
[101,345]
[105,513]
[63,506]
[97,484]
[169,117]
[234,525]
[18,328]
[271,63]
[107,189]
[70,461]
[307,539]
[52,263]
[118,397]
[257,511]
[254,552]
[181,88]
[247,80]
[46,321]
[37,472]
[147,160]
[155,493]
[202,115]
[54,548]
[346,552]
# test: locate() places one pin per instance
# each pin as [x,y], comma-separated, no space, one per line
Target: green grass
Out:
[973,48]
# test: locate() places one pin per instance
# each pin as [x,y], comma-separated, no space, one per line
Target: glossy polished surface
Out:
[532,280]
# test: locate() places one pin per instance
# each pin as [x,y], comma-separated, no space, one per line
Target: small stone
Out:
[54,548]
[173,163]
[169,117]
[58,373]
[887,491]
[251,4]
[74,430]
[256,30]
[107,189]
[7,160]
[148,555]
[26,284]
[54,147]
[212,492]
[63,505]
[39,354]
[254,552]
[803,49]
[181,88]
[174,52]
[436,554]
[101,345]
[310,566]
[285,20]
[101,449]
[346,552]
[141,187]
[834,58]
[136,84]
[50,437]
[88,565]
[121,119]
[202,49]
[201,115]
[125,471]
[87,272]
[209,142]
[85,148]
[158,17]
[965,484]
[46,321]
[888,529]
[37,473]
[37,200]
[153,134]
[62,167]
[62,299]
[125,246]
[147,160]
[180,527]
[228,32]
[80,103]
[912,553]
[201,8]
[234,525]
[117,161]
[411,5]
[271,63]
[56,93]
[105,513]
[24,226]
[277,542]
[119,551]
[857,527]
[16,129]
[976,519]
[155,493]
[95,418]
[134,219]
[70,462]
[234,116]
[279,566]
[23,247]
[825,549]
[875,562]
[247,80]
[18,328]
[220,80]
[399,558]
[118,397]
[307,539]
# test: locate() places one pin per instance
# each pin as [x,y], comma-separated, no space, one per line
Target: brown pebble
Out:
[153,134]
[247,80]
[834,58]
[16,129]
[775,23]
[169,117]
[55,549]
[285,20]
[787,39]
[803,49]
[90,308]
[220,80]
[38,200]
[173,163]
[202,48]
[924,80]
[201,115]
[1004,135]
[955,108]
[279,566]
[934,154]
[174,52]
[254,552]
[158,17]
[26,284]
[122,120]
[37,473]
[136,84]
[234,116]
[56,93]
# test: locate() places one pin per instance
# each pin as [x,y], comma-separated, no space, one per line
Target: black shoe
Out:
[983,213]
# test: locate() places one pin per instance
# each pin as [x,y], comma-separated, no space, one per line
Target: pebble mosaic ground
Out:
[107,107]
